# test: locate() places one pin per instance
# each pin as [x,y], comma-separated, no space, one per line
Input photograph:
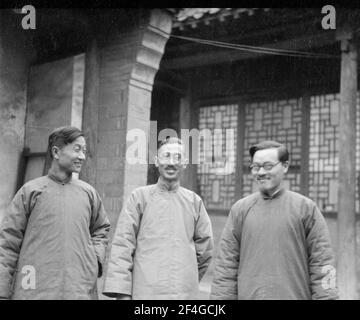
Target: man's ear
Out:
[184,162]
[286,166]
[55,152]
[156,160]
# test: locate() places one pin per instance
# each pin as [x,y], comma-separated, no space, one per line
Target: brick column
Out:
[130,58]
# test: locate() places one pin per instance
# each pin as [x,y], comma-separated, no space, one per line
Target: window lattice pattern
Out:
[218,189]
[273,120]
[324,151]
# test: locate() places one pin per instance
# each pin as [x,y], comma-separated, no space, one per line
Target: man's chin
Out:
[264,189]
[171,177]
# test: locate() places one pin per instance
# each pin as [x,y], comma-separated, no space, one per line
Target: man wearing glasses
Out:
[163,240]
[276,243]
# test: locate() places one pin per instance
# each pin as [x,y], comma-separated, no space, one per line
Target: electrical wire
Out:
[259,49]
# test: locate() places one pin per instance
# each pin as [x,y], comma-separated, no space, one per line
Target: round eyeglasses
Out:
[255,167]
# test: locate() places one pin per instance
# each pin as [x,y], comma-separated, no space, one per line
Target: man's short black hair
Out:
[283,152]
[62,136]
[170,140]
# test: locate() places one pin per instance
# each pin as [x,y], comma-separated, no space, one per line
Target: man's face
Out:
[269,180]
[71,156]
[170,161]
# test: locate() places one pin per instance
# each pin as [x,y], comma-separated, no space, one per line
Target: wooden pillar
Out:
[305,144]
[188,178]
[194,122]
[91,111]
[240,166]
[346,267]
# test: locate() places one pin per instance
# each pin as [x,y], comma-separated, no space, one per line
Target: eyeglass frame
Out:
[251,166]
[176,158]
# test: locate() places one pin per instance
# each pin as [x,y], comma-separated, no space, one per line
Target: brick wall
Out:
[129,59]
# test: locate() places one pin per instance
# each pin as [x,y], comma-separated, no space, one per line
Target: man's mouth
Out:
[170,170]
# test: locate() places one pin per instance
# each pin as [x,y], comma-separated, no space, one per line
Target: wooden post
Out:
[305,144]
[186,121]
[346,266]
[90,111]
[240,151]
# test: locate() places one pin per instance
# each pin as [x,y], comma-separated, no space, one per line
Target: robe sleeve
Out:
[12,232]
[224,285]
[204,243]
[99,230]
[118,279]
[321,258]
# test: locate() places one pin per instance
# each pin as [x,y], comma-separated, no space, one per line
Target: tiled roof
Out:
[192,16]
[195,13]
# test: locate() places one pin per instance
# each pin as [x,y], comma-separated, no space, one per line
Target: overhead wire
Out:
[259,49]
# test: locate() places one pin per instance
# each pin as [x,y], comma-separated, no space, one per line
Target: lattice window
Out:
[274,120]
[324,151]
[218,189]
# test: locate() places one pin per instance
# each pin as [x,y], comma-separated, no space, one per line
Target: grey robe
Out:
[162,245]
[60,231]
[275,248]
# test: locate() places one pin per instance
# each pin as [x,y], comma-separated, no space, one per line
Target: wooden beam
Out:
[306,42]
[347,279]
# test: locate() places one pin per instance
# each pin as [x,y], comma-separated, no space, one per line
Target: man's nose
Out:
[82,155]
[261,171]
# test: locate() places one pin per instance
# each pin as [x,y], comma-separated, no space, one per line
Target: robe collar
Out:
[276,194]
[164,185]
[55,178]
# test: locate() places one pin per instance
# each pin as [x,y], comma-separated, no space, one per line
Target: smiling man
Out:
[54,236]
[163,240]
[275,244]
